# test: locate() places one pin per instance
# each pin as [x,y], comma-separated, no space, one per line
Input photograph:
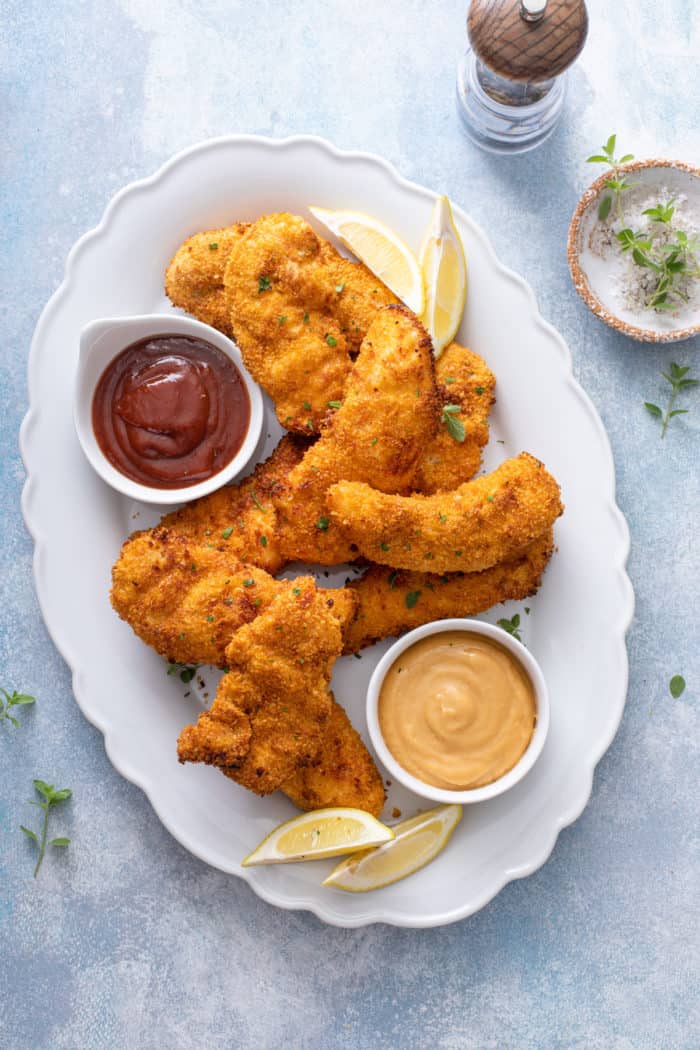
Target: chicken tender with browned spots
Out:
[377,435]
[484,521]
[187,600]
[298,310]
[241,519]
[194,279]
[392,601]
[342,774]
[271,708]
[464,383]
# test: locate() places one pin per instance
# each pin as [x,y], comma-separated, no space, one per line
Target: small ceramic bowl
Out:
[591,275]
[529,756]
[100,342]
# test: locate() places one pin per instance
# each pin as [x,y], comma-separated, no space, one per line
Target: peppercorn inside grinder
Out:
[512,81]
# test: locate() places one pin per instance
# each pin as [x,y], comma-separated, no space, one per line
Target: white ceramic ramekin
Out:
[530,755]
[100,342]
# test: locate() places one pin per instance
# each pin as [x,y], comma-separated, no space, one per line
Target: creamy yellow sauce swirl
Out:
[457,710]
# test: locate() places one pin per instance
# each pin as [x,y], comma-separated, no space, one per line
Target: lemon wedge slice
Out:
[381,250]
[415,843]
[445,273]
[320,833]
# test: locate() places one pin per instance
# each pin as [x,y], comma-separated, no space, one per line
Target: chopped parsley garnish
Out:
[480,390]
[264,283]
[384,546]
[322,524]
[227,532]
[210,618]
[249,583]
[193,567]
[185,671]
[411,598]
[490,498]
[307,406]
[213,246]
[339,287]
[296,590]
[331,340]
[310,424]
[263,541]
[450,379]
[443,517]
[334,404]
[283,318]
[256,501]
[375,440]
[306,318]
[391,578]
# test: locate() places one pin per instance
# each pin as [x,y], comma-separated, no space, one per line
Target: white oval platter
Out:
[576,625]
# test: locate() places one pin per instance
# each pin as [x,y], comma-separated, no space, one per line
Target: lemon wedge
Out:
[445,273]
[381,250]
[415,843]
[320,833]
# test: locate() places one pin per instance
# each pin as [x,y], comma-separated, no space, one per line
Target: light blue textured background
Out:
[127,941]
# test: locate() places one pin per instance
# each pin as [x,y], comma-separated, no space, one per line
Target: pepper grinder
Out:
[512,80]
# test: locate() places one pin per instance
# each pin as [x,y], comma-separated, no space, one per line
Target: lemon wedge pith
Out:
[320,833]
[445,274]
[380,250]
[415,843]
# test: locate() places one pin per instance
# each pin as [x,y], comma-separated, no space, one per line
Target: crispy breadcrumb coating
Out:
[392,601]
[271,708]
[483,522]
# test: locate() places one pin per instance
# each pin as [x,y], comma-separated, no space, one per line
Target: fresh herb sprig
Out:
[185,671]
[51,797]
[10,701]
[680,380]
[667,251]
[617,181]
[455,427]
[512,626]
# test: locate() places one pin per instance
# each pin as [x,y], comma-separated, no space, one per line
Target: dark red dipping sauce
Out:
[170,411]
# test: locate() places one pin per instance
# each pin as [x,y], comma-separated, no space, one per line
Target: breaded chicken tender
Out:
[187,600]
[484,521]
[298,310]
[377,435]
[195,282]
[272,707]
[342,774]
[194,279]
[464,381]
[241,519]
[394,601]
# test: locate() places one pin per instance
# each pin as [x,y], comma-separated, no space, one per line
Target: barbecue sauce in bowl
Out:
[170,411]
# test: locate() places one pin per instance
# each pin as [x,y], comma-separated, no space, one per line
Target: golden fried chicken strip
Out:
[484,521]
[271,708]
[465,381]
[388,415]
[187,600]
[391,602]
[342,774]
[195,282]
[194,279]
[241,519]
[297,310]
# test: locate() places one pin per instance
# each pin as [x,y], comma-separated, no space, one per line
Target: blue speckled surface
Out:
[125,940]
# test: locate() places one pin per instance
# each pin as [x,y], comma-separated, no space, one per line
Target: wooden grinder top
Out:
[527,39]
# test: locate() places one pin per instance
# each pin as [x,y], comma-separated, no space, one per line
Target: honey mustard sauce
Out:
[457,710]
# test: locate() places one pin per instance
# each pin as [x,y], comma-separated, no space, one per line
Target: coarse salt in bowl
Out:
[608,280]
